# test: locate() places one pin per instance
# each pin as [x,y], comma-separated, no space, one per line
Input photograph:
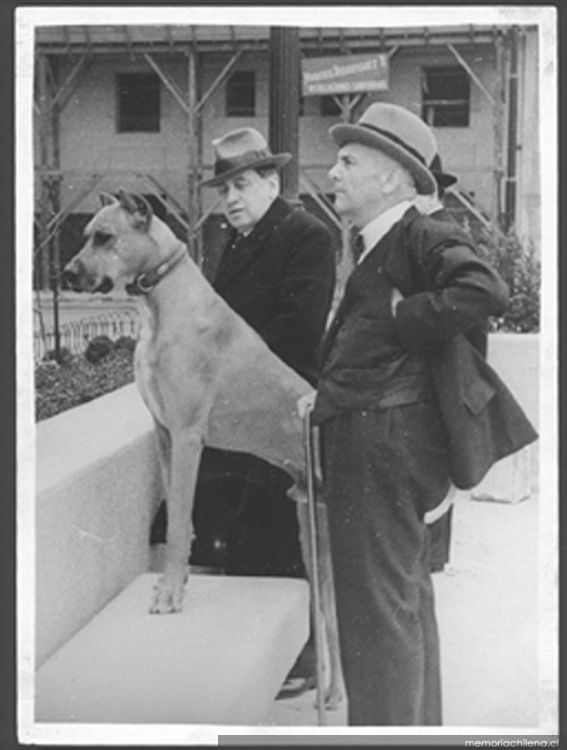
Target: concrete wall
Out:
[97,483]
[516,358]
[97,486]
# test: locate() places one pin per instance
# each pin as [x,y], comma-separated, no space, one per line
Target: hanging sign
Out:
[346,74]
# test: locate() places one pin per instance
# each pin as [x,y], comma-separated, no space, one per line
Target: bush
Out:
[76,380]
[98,348]
[521,270]
[125,342]
[64,355]
[520,267]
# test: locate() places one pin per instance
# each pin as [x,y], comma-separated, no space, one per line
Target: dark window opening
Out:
[138,103]
[446,94]
[241,94]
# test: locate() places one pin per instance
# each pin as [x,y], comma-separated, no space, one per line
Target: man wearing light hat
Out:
[278,272]
[417,284]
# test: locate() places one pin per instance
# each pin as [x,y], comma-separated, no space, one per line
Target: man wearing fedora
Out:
[278,272]
[417,283]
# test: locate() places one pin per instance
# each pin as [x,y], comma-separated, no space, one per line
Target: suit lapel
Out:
[332,331]
[241,251]
[390,259]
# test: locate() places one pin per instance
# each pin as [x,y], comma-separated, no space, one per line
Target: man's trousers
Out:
[382,470]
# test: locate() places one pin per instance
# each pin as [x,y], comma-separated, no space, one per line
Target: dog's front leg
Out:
[186,447]
[163,443]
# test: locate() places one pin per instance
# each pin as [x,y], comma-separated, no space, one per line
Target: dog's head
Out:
[118,245]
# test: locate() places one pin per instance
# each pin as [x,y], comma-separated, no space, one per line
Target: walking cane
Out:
[314,559]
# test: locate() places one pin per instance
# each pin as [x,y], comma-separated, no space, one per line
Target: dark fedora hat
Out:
[239,150]
[443,179]
[398,133]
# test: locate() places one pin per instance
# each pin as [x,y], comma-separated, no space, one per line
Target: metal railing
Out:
[76,335]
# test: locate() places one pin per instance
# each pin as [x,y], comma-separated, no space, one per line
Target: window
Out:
[138,103]
[446,97]
[241,94]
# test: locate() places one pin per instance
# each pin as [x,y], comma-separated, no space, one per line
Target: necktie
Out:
[358,247]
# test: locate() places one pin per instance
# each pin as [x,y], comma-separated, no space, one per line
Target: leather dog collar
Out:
[145,282]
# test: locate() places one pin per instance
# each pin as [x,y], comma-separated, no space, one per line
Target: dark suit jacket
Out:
[447,291]
[484,422]
[368,355]
[477,335]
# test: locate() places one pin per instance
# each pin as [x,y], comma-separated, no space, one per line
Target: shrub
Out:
[64,355]
[63,386]
[98,348]
[125,342]
[520,268]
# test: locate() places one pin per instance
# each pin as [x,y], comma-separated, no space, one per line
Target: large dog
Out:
[206,377]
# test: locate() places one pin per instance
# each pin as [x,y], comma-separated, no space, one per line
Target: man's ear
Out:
[107,199]
[138,208]
[274,181]
[391,179]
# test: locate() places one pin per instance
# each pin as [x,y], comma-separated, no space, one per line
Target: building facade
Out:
[138,107]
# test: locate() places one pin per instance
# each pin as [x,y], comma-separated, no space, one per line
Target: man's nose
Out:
[333,172]
[231,194]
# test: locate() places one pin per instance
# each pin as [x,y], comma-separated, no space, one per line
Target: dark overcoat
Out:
[280,278]
[483,420]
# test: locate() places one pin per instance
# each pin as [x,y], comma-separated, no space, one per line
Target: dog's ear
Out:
[107,199]
[137,206]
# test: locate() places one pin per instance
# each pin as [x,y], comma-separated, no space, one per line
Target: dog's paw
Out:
[167,597]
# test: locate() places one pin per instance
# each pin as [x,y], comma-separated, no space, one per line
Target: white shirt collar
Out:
[373,232]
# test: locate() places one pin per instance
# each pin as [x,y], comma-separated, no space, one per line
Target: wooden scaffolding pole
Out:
[193,156]
[55,196]
[42,260]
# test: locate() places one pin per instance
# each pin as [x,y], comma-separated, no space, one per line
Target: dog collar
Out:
[145,282]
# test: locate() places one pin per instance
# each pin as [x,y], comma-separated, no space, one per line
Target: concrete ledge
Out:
[97,483]
[221,661]
[515,357]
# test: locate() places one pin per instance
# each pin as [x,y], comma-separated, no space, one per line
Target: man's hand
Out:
[305,403]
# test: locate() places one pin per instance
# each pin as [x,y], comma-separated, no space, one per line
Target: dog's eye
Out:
[101,238]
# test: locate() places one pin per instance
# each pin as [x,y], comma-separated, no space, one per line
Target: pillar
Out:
[284,103]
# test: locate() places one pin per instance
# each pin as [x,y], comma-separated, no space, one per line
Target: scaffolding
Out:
[79,46]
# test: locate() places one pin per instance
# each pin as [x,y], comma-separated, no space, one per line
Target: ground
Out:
[489,621]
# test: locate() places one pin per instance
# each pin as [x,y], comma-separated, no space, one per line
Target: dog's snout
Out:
[71,273]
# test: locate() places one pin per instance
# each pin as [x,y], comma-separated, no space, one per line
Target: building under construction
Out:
[138,106]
